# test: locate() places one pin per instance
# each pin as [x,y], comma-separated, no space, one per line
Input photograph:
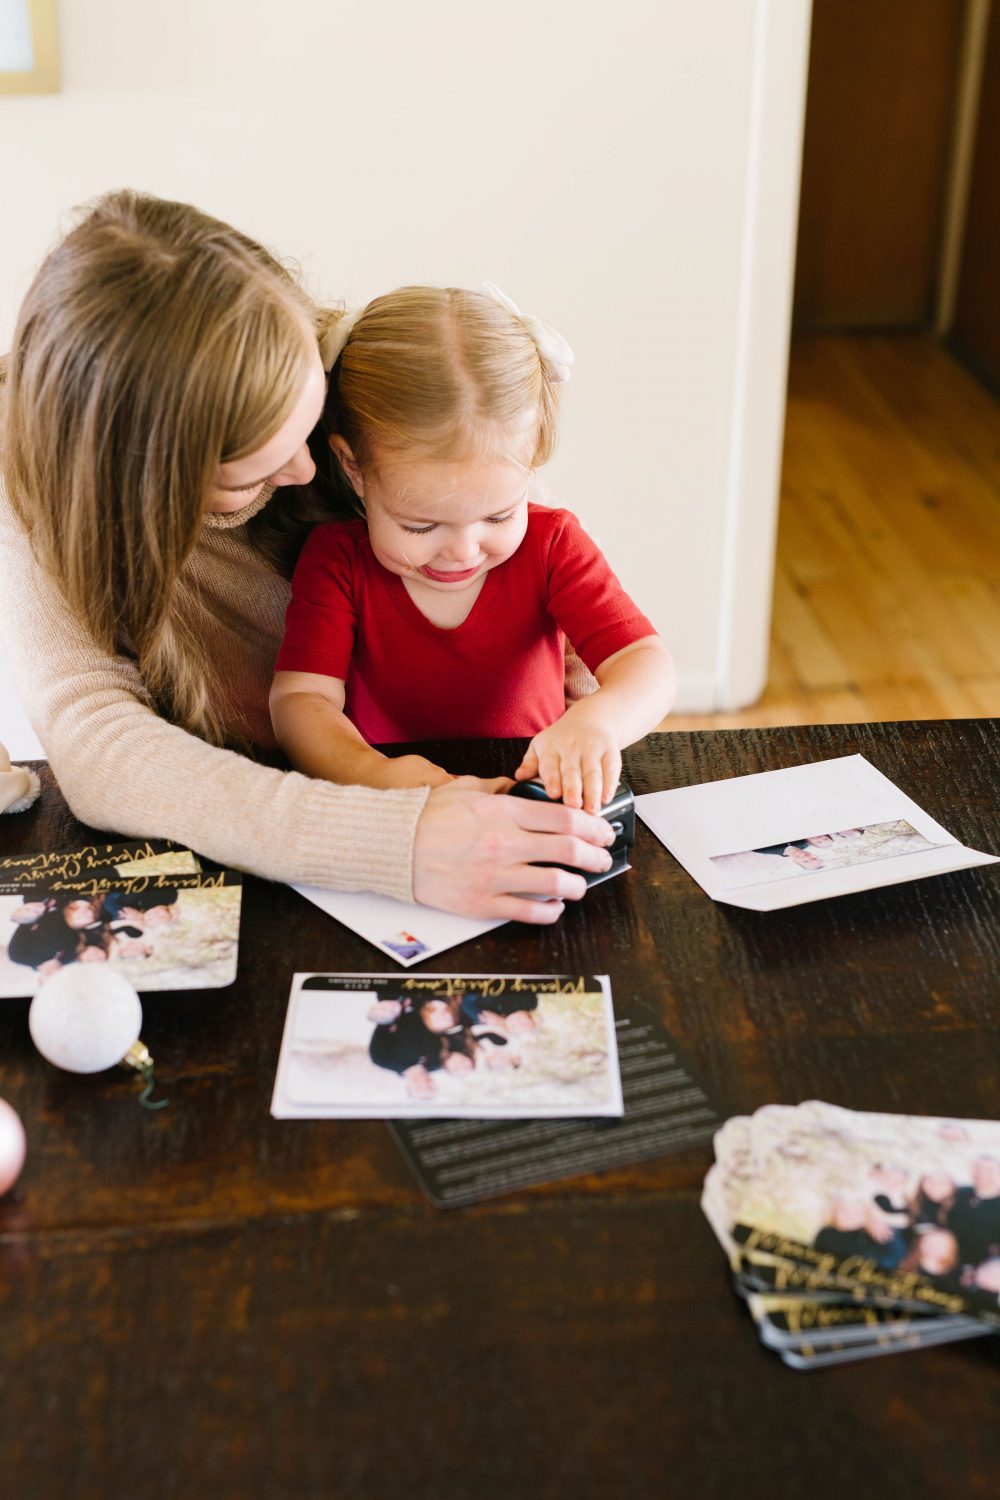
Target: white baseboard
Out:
[695,693]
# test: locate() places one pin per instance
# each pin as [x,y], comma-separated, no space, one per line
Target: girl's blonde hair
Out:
[441,373]
[154,344]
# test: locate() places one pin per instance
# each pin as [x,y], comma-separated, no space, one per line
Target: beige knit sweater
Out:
[121,767]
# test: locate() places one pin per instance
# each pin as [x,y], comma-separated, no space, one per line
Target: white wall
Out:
[627,172]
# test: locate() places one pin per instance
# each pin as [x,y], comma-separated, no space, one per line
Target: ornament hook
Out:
[138,1057]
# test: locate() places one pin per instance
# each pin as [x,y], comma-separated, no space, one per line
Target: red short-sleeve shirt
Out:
[499,674]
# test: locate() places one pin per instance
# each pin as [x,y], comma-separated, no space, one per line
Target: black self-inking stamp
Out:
[619,812]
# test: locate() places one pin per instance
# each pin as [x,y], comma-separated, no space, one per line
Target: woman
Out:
[164,380]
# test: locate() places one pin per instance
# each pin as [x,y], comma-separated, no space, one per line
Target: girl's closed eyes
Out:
[423,530]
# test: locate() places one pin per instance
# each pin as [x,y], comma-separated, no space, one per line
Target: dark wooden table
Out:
[208,1302]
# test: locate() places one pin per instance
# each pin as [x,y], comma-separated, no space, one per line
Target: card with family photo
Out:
[811,1335]
[463,1046]
[804,833]
[851,1219]
[842,849]
[809,1356]
[800,1322]
[161,928]
[131,857]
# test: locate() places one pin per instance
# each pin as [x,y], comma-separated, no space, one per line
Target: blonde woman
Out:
[163,383]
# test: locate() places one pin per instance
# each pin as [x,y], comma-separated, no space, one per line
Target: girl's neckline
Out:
[409,606]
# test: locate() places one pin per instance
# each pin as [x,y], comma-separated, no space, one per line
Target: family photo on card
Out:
[145,910]
[478,1046]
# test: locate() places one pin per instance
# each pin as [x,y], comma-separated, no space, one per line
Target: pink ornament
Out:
[12,1146]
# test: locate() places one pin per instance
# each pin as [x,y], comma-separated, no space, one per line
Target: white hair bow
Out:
[332,343]
[553,351]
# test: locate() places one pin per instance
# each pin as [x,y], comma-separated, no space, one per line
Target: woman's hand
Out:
[479,854]
[31,911]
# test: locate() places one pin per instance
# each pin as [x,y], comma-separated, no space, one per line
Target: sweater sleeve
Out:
[120,766]
[585,598]
[579,681]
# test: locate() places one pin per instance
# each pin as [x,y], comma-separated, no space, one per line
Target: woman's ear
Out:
[342,452]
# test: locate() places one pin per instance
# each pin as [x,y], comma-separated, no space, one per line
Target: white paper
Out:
[388,924]
[567,1062]
[405,931]
[715,831]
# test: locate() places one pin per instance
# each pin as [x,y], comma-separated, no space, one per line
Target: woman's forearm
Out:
[123,768]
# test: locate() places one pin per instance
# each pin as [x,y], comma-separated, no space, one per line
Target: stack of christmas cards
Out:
[854,1235]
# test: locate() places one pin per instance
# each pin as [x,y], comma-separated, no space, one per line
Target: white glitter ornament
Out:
[85,1018]
[19,787]
[11,1146]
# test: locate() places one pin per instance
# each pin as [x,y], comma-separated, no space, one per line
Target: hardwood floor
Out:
[887,581]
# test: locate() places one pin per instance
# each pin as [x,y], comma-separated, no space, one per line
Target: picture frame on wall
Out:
[29,52]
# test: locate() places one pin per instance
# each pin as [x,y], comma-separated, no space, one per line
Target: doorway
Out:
[887,579]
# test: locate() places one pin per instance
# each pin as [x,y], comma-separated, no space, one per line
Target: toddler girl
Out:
[444,613]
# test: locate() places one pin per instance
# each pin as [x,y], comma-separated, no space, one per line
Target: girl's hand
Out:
[577,759]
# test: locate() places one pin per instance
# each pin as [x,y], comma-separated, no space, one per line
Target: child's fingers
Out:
[529,765]
[572,783]
[593,786]
[551,775]
[611,762]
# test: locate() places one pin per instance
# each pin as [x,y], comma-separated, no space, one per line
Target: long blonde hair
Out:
[442,373]
[154,344]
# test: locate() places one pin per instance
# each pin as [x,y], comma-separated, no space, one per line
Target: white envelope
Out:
[386,923]
[856,831]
